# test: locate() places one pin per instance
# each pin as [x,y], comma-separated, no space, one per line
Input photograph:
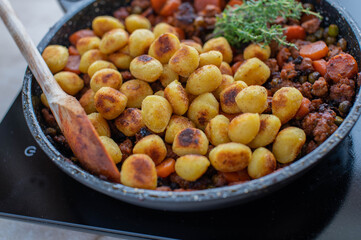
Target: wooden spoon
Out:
[71,117]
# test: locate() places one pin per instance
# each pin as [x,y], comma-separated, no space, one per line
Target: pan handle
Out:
[66,5]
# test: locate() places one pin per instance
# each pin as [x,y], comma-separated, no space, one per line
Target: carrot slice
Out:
[165,168]
[73,64]
[320,66]
[170,7]
[236,66]
[157,5]
[304,109]
[239,176]
[315,51]
[73,51]
[74,38]
[295,32]
[235,2]
[200,5]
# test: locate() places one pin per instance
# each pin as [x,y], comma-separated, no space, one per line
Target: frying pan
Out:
[80,15]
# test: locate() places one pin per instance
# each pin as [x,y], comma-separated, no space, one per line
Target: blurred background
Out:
[37,16]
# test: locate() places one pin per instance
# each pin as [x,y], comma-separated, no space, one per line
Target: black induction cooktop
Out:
[325,203]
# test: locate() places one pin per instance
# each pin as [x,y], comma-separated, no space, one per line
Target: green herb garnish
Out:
[253,21]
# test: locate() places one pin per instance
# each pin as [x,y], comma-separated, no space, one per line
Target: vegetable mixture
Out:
[190,95]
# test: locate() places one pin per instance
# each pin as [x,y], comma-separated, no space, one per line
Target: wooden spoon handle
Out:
[28,49]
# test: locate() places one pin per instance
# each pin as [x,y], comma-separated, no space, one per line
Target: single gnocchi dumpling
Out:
[120,60]
[113,41]
[262,52]
[230,157]
[252,99]
[135,21]
[190,141]
[106,78]
[146,68]
[129,122]
[177,97]
[70,82]
[191,167]
[184,61]
[205,79]
[110,103]
[140,41]
[220,44]
[100,124]
[87,101]
[56,57]
[177,124]
[112,149]
[253,72]
[202,109]
[162,28]
[99,65]
[226,69]
[244,128]
[156,113]
[286,102]
[228,97]
[153,146]
[164,47]
[262,163]
[217,130]
[136,90]
[88,58]
[103,24]
[211,58]
[87,43]
[138,171]
[194,44]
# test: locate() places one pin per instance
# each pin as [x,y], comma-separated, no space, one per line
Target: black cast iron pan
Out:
[79,16]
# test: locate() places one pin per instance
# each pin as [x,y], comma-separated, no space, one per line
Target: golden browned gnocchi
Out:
[56,57]
[110,103]
[204,79]
[164,47]
[190,141]
[139,42]
[262,163]
[87,43]
[202,109]
[139,171]
[252,99]
[156,113]
[146,68]
[211,58]
[262,52]
[129,122]
[106,78]
[268,130]
[192,43]
[217,130]
[288,144]
[230,157]
[184,61]
[162,28]
[176,124]
[44,100]
[220,44]
[227,80]
[99,65]
[135,21]
[177,97]
[153,146]
[136,91]
[70,82]
[244,128]
[253,72]
[286,102]
[88,58]
[100,124]
[113,41]
[159,93]
[120,60]
[103,24]
[112,149]
[228,97]
[191,167]
[167,76]
[226,69]
[87,101]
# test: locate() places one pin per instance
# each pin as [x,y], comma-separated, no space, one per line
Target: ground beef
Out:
[86,80]
[219,180]
[208,16]
[126,148]
[344,90]
[49,118]
[305,66]
[288,71]
[333,51]
[320,88]
[315,105]
[312,25]
[305,89]
[320,125]
[184,18]
[121,14]
[281,84]
[311,146]
[60,140]
[273,65]
[126,75]
[170,153]
[283,55]
[359,79]
[142,4]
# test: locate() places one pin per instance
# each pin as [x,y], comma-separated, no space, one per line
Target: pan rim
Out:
[242,191]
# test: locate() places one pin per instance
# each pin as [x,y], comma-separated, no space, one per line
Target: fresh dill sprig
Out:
[253,21]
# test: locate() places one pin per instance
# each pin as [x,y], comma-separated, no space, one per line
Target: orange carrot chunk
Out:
[235,2]
[315,51]
[236,66]
[157,5]
[304,109]
[165,168]
[240,176]
[74,38]
[73,51]
[320,66]
[295,32]
[73,64]
[170,7]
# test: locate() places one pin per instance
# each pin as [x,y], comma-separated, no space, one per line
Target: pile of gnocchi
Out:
[204,115]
